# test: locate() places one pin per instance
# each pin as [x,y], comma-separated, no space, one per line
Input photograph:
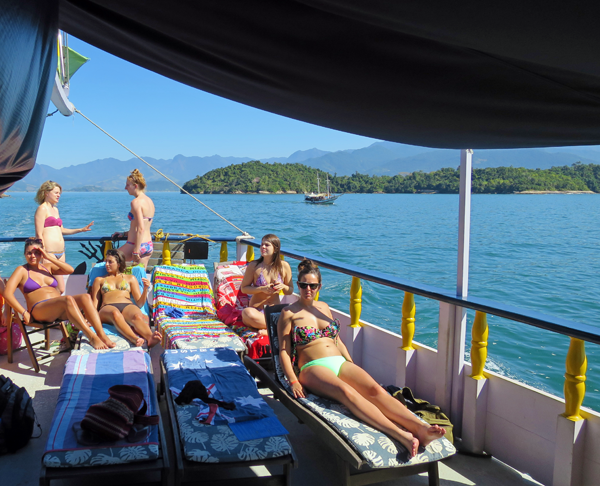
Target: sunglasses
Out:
[33,239]
[304,285]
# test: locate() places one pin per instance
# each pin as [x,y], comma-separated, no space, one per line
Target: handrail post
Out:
[355,302]
[223,254]
[405,362]
[476,389]
[570,426]
[249,253]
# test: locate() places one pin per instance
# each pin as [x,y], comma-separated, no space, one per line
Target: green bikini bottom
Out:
[334,363]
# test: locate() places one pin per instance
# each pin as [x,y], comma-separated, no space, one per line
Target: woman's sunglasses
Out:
[304,285]
[33,239]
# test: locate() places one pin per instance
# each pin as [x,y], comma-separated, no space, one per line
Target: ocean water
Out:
[533,251]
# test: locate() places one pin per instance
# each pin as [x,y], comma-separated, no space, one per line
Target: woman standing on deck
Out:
[307,331]
[139,246]
[38,284]
[48,225]
[118,308]
[263,280]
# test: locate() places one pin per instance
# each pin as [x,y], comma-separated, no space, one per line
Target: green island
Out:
[256,177]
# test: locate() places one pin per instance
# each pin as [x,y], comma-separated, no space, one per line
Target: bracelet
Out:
[292,382]
[135,253]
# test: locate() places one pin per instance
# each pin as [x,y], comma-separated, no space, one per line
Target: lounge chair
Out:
[184,311]
[203,449]
[85,382]
[365,454]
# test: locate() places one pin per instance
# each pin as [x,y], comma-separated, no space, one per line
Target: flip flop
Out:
[86,437]
[138,433]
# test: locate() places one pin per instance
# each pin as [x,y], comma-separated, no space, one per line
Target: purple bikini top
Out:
[31,285]
[52,221]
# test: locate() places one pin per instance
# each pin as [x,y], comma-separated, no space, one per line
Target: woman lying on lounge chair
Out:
[326,369]
[263,280]
[117,308]
[44,302]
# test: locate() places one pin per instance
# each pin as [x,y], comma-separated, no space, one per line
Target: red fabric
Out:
[260,347]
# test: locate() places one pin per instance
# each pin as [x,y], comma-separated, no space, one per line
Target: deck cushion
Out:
[217,443]
[86,381]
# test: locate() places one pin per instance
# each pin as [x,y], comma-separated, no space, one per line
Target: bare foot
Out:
[262,332]
[155,339]
[429,433]
[410,442]
[106,340]
[97,343]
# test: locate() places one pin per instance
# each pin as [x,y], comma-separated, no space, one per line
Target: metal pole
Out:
[462,283]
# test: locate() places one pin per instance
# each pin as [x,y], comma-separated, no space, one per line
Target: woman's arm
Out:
[40,218]
[9,293]
[66,231]
[287,279]
[98,281]
[137,228]
[284,330]
[56,266]
[342,348]
[139,297]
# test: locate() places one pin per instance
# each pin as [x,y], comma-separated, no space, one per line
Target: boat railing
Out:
[456,391]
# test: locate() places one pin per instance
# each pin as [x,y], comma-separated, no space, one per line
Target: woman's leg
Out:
[255,319]
[111,315]
[66,307]
[368,388]
[322,381]
[85,303]
[133,315]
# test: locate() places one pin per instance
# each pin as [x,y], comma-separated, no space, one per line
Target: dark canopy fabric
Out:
[438,73]
[27,66]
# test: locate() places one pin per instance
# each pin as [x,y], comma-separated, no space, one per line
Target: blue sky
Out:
[160,118]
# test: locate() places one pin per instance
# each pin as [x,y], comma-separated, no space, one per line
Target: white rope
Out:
[155,169]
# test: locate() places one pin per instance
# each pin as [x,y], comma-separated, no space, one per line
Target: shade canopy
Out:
[439,74]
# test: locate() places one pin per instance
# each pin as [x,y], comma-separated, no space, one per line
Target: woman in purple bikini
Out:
[37,281]
[48,225]
[263,280]
[139,245]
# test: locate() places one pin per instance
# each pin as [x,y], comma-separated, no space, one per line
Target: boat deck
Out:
[315,460]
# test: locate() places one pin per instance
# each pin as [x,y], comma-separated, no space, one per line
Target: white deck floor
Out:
[315,460]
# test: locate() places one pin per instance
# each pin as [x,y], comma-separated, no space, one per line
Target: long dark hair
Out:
[32,240]
[119,257]
[276,267]
[307,266]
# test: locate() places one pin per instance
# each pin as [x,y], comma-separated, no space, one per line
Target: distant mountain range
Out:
[379,158]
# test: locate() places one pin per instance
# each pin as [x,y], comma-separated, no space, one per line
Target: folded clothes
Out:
[173,312]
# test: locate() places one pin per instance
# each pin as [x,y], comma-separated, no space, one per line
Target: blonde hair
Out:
[47,186]
[137,178]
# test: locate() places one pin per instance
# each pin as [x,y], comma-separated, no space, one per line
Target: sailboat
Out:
[320,197]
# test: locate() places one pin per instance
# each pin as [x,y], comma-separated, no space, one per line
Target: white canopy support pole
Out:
[462,283]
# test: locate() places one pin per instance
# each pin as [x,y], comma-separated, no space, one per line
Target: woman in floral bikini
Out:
[307,328]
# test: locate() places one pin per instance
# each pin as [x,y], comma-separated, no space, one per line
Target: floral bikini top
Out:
[306,335]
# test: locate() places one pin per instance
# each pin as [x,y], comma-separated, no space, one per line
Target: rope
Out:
[50,114]
[155,169]
[160,234]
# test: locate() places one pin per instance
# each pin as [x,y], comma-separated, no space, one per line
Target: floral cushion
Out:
[376,448]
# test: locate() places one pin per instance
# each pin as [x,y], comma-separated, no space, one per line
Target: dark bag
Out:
[115,418]
[432,414]
[17,417]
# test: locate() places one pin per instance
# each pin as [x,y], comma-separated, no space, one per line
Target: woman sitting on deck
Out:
[307,328]
[38,284]
[263,280]
[139,246]
[117,308]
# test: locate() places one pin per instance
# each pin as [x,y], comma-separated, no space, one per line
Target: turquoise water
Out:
[533,251]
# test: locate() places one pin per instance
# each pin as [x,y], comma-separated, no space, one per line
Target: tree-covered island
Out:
[255,177]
